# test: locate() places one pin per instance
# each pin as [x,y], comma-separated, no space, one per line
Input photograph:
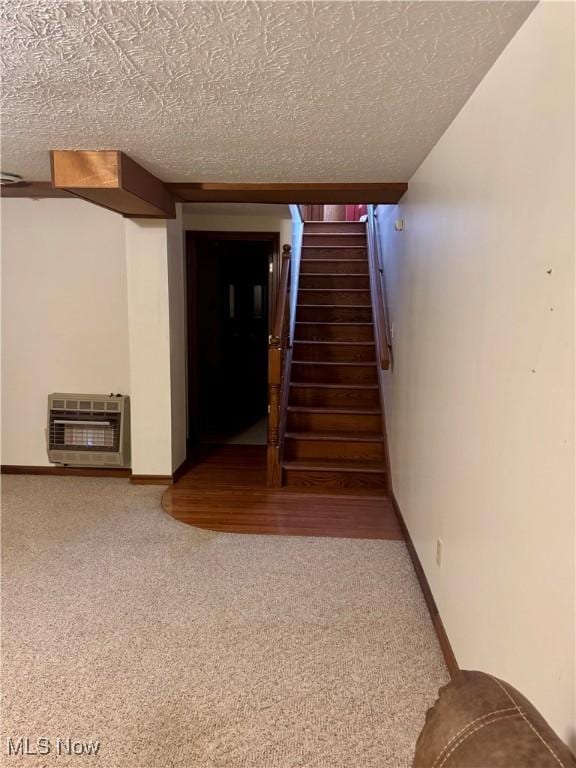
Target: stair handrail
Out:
[378,292]
[280,324]
[280,348]
[279,355]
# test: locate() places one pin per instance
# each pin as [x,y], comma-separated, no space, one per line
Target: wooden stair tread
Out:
[331,322]
[332,385]
[332,223]
[337,248]
[339,234]
[343,247]
[347,437]
[333,465]
[328,409]
[355,364]
[334,290]
[336,343]
[332,306]
[333,274]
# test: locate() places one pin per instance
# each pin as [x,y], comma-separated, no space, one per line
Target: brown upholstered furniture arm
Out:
[481,722]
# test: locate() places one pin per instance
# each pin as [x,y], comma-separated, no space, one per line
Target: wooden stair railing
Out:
[378,293]
[279,354]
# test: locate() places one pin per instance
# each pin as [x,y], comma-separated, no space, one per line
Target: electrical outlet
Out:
[439,552]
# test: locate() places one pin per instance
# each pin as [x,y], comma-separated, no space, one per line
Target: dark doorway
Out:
[231,290]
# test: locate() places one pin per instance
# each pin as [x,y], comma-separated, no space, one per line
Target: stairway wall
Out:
[480,404]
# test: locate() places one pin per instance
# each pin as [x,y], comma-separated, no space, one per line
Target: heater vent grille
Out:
[87,430]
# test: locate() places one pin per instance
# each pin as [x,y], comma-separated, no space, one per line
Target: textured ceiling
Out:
[244,91]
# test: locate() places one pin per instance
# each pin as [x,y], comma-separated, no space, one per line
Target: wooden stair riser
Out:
[343,281]
[334,332]
[333,297]
[334,353]
[348,253]
[302,478]
[335,227]
[328,314]
[318,421]
[350,450]
[334,374]
[341,239]
[334,267]
[335,397]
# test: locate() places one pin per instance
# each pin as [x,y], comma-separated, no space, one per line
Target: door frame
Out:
[192,239]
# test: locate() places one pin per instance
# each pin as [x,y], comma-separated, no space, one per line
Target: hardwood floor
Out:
[224,489]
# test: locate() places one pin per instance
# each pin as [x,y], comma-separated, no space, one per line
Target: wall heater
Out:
[89,430]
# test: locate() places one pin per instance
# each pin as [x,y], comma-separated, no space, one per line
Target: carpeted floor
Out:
[176,647]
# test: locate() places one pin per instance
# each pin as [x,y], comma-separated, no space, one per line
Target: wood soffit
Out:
[111,179]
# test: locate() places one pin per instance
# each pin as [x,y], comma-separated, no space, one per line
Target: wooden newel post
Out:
[274,382]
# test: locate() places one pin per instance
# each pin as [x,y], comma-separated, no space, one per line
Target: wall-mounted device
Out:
[7,178]
[89,430]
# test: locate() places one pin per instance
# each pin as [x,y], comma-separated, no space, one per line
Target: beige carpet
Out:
[176,647]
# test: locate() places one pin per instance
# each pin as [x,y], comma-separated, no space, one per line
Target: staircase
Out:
[334,428]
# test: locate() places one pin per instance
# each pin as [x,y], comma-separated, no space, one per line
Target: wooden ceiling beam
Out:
[111,179]
[207,192]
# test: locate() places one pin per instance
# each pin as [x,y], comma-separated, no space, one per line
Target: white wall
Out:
[92,302]
[241,223]
[149,324]
[480,405]
[178,337]
[64,315]
[154,255]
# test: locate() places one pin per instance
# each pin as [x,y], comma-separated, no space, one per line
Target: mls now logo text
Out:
[23,746]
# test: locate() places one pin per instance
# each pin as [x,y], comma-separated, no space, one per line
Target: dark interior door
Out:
[232,334]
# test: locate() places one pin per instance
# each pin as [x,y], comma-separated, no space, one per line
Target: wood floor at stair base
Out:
[284,512]
[223,489]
